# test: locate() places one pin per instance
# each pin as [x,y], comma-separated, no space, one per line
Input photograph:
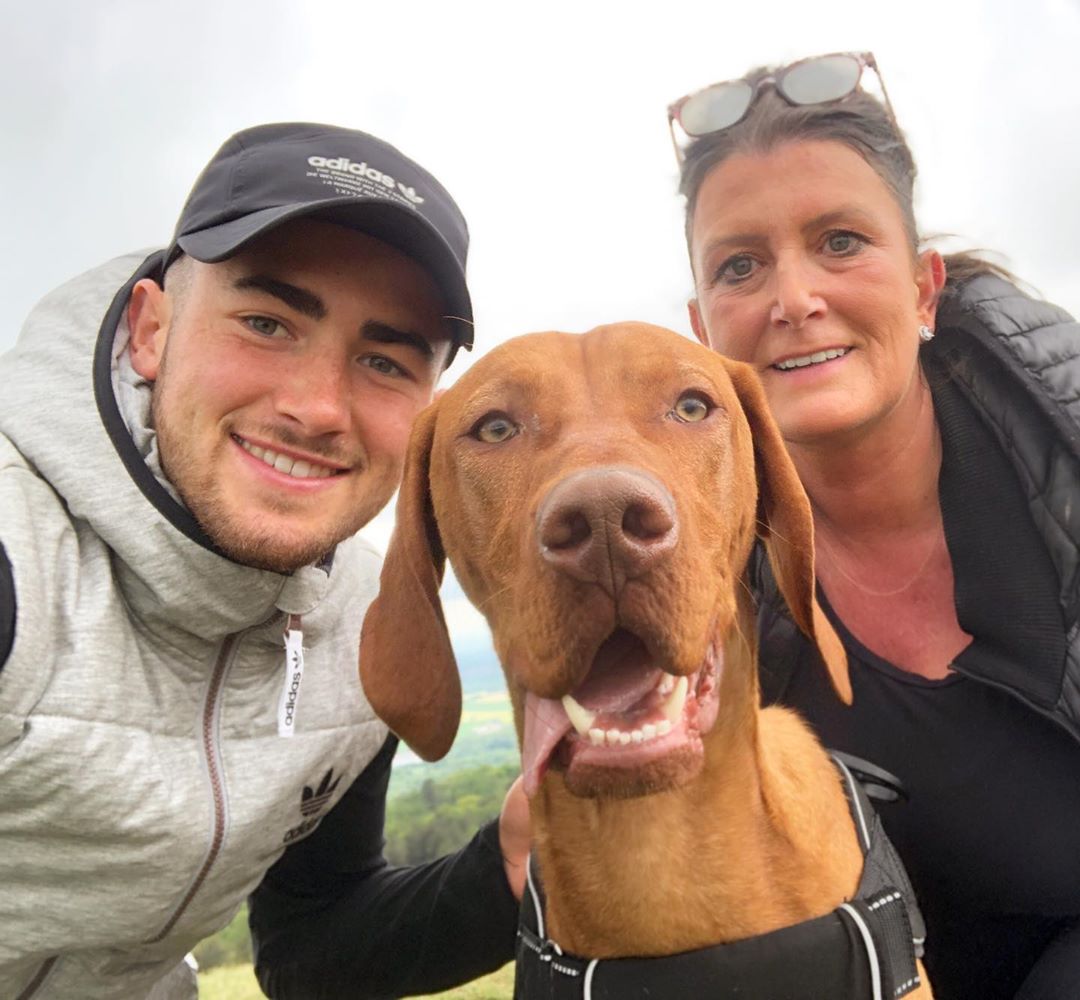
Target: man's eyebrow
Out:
[304,302]
[382,333]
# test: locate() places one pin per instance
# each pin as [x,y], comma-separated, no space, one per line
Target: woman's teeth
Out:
[811,359]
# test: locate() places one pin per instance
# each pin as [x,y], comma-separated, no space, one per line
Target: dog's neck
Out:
[716,859]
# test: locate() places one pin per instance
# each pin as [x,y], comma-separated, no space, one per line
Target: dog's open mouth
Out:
[627,714]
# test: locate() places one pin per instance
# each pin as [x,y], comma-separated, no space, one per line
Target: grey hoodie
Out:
[144,787]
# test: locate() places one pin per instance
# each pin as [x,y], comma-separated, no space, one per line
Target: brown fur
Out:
[755,836]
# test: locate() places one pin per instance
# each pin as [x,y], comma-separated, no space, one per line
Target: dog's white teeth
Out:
[580,717]
[621,738]
[673,707]
[666,684]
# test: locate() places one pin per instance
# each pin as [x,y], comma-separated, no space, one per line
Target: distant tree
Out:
[443,814]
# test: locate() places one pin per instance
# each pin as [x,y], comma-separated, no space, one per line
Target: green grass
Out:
[237,982]
[229,982]
[498,986]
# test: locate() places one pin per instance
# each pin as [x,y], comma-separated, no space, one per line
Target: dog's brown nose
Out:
[607,525]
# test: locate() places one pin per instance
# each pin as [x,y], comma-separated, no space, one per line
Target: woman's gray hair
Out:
[859,121]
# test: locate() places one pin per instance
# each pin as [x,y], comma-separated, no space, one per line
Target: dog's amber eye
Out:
[691,408]
[494,428]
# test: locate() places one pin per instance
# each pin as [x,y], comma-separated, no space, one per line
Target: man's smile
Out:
[297,468]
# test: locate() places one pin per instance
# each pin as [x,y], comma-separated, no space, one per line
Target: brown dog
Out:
[598,497]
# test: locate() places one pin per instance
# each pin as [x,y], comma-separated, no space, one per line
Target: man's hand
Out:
[514,832]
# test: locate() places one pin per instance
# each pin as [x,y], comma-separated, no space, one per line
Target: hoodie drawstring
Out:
[294,674]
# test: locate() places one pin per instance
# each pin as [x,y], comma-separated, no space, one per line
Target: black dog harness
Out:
[864,950]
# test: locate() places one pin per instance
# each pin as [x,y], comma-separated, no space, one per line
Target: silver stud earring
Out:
[925,334]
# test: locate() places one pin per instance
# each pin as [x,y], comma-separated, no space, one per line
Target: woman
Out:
[933,413]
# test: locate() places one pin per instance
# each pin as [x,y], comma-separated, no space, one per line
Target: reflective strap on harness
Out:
[824,957]
[863,950]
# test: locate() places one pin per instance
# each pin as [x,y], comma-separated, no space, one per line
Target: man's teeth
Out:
[297,468]
[672,709]
[812,359]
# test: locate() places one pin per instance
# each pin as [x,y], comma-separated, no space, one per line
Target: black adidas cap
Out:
[269,174]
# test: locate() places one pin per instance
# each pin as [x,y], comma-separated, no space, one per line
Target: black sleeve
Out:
[333,919]
[1055,975]
[7,607]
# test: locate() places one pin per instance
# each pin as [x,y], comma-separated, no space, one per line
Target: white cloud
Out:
[546,122]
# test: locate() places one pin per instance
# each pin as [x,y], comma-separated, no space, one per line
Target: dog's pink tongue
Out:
[546,722]
[621,675]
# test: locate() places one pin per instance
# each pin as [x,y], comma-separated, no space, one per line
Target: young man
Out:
[188,444]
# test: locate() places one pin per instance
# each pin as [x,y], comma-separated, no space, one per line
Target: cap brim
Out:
[397,225]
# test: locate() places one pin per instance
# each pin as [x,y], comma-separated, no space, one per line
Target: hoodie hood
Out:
[79,413]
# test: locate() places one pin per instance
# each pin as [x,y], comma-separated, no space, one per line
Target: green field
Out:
[486,736]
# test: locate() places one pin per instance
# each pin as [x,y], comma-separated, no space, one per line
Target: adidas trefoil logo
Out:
[312,803]
[343,165]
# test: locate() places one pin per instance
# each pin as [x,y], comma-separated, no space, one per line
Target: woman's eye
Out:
[691,408]
[264,326]
[495,428]
[736,269]
[384,366]
[843,243]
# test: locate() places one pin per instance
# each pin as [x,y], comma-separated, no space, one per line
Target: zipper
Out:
[1017,696]
[210,726]
[40,976]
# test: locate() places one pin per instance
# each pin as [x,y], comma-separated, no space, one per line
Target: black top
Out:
[333,920]
[991,829]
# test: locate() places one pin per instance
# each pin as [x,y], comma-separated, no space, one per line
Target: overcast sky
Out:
[546,122]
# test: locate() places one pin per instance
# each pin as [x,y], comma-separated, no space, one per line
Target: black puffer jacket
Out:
[1017,361]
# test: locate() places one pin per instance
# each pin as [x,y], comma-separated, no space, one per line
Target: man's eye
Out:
[494,428]
[384,366]
[692,408]
[264,325]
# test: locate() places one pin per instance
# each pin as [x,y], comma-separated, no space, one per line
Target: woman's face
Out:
[803,269]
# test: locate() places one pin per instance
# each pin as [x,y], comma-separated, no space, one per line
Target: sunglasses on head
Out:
[817,80]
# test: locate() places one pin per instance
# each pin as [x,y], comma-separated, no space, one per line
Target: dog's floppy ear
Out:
[407,664]
[786,526]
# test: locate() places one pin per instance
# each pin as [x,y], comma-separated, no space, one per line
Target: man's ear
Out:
[149,312]
[696,322]
[930,281]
